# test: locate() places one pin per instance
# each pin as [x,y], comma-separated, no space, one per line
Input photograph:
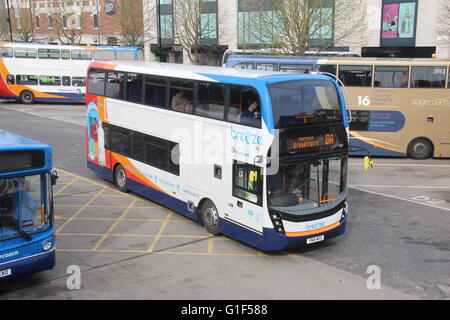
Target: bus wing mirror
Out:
[54,177]
[368,163]
[10,79]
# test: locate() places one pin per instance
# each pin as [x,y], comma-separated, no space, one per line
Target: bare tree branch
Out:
[69,21]
[444,22]
[294,26]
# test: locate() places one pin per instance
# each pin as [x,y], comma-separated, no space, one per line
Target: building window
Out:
[38,24]
[95,21]
[208,26]
[50,22]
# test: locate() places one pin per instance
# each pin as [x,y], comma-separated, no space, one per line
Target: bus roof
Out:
[195,72]
[340,60]
[62,46]
[12,141]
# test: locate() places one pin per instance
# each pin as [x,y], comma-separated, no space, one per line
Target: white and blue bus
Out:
[27,235]
[34,72]
[257,156]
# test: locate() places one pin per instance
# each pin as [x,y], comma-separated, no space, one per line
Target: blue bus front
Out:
[27,236]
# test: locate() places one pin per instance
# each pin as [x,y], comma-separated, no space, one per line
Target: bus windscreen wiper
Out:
[11,224]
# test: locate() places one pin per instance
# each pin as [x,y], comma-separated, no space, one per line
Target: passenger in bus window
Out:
[251,116]
[179,102]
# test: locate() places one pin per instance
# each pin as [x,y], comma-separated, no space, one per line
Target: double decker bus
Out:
[257,156]
[32,72]
[400,107]
[27,235]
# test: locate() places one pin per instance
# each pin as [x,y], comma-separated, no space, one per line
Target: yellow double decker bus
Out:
[400,107]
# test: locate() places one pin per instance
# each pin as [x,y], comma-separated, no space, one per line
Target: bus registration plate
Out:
[5,273]
[315,239]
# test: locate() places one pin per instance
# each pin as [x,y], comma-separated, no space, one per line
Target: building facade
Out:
[372,28]
[84,22]
[387,28]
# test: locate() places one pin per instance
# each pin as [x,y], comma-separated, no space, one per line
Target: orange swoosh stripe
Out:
[125,162]
[353,133]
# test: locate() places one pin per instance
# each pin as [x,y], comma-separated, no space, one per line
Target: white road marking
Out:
[398,198]
[388,186]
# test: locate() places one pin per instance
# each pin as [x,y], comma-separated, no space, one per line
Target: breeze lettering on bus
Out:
[246,136]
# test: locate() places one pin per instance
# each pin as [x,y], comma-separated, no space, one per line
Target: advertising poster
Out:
[390,21]
[406,20]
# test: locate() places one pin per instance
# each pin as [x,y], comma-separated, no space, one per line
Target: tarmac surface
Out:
[130,248]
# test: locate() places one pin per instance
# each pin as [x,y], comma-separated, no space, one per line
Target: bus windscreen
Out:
[303,102]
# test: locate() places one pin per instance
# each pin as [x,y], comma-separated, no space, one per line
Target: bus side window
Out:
[428,77]
[65,54]
[247,182]
[6,52]
[96,82]
[155,91]
[356,76]
[211,100]
[66,81]
[244,65]
[115,85]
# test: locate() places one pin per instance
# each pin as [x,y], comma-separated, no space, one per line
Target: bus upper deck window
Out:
[6,52]
[428,77]
[356,76]
[25,53]
[391,76]
[65,54]
[244,65]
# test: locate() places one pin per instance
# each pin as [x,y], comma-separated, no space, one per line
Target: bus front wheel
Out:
[27,97]
[420,149]
[210,217]
[120,178]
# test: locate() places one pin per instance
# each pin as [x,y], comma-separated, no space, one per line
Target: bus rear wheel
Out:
[27,97]
[120,178]
[210,217]
[420,149]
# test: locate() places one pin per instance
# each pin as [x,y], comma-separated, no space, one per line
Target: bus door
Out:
[245,205]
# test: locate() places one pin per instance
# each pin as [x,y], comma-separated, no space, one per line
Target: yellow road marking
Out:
[100,242]
[160,232]
[81,210]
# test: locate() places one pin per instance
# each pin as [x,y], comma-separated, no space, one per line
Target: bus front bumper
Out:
[36,263]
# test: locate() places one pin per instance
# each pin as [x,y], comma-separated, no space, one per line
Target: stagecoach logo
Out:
[9,255]
[441,102]
[109,8]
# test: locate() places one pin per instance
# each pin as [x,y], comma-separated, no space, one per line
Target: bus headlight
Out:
[47,245]
[277,222]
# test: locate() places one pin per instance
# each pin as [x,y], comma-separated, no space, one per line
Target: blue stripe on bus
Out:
[374,151]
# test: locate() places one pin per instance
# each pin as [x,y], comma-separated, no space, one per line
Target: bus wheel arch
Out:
[208,216]
[120,178]
[27,97]
[420,148]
